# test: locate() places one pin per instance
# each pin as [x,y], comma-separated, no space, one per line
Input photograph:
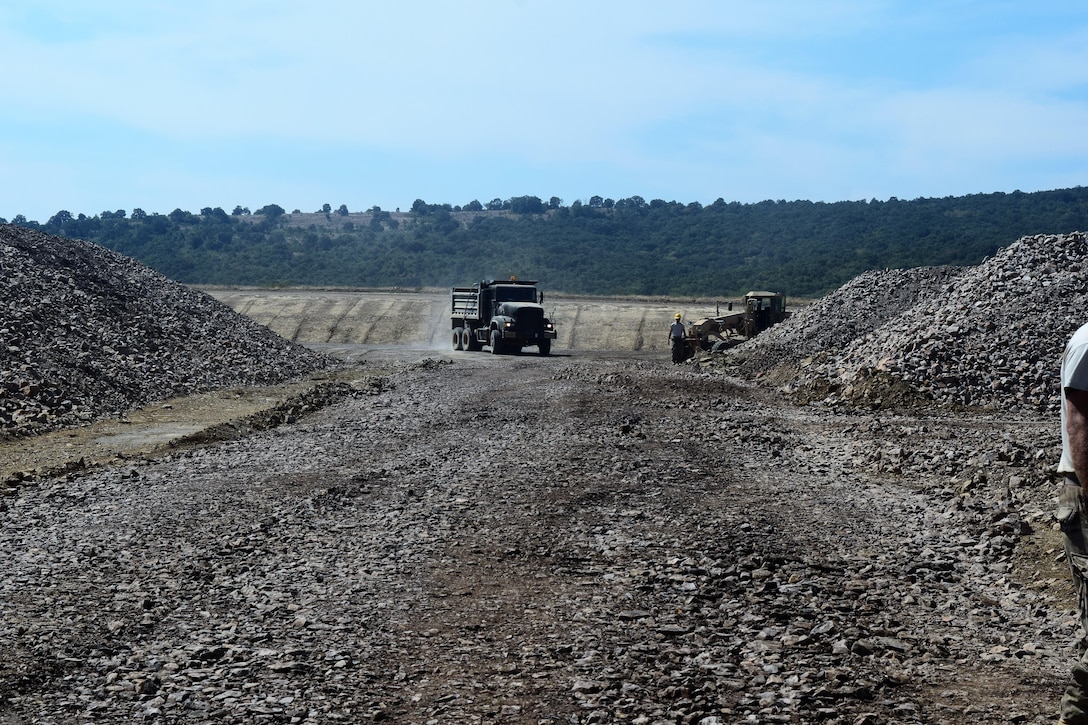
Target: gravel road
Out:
[583,538]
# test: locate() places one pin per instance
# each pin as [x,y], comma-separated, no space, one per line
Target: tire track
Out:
[377,320]
[337,329]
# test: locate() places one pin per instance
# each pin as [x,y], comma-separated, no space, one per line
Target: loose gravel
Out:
[546,540]
[87,333]
[583,538]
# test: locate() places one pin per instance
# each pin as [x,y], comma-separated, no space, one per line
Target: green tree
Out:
[271,212]
[179,216]
[60,219]
[526,205]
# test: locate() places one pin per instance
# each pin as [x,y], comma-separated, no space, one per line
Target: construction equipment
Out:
[503,315]
[761,311]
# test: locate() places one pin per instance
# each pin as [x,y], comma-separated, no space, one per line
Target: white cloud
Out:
[708,97]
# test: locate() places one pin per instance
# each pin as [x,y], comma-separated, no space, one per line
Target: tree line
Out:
[602,246]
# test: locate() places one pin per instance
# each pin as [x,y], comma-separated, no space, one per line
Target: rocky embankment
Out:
[988,336]
[86,332]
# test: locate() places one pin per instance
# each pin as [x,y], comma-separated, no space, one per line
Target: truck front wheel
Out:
[545,347]
[458,338]
[496,342]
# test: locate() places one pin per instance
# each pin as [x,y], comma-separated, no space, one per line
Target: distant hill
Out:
[608,247]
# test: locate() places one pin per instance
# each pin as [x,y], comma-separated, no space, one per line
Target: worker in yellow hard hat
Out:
[677,333]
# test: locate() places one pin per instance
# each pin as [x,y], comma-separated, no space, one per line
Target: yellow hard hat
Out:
[677,315]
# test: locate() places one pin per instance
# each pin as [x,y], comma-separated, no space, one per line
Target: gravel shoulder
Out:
[579,538]
[153,430]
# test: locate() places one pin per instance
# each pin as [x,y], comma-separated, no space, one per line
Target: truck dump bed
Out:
[466,303]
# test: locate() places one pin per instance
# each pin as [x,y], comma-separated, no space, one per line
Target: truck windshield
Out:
[511,293]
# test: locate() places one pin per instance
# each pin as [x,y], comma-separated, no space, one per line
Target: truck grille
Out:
[529,318]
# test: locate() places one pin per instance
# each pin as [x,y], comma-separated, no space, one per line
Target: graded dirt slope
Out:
[421,319]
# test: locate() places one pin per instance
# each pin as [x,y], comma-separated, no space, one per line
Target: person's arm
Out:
[1076,425]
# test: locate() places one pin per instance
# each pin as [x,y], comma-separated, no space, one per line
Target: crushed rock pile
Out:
[989,336]
[856,309]
[86,332]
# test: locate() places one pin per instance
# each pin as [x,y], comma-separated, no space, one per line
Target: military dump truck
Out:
[502,315]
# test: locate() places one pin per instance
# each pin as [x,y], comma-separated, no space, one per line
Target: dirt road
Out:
[584,538]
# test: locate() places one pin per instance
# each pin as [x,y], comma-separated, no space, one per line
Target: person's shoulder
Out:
[1080,337]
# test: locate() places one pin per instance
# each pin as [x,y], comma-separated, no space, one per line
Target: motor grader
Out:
[761,310]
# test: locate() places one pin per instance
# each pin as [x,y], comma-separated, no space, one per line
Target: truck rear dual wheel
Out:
[468,340]
[458,338]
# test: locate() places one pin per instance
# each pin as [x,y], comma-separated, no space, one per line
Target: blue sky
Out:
[120,104]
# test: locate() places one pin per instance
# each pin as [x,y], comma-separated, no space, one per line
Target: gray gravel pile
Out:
[86,332]
[858,308]
[988,336]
